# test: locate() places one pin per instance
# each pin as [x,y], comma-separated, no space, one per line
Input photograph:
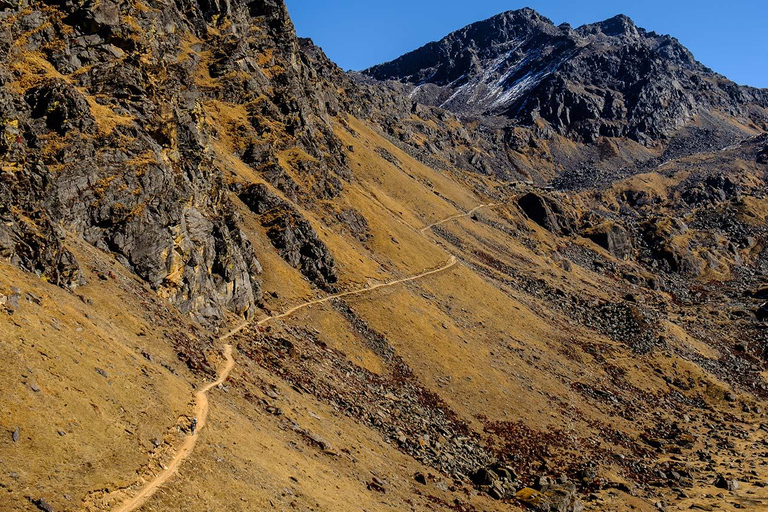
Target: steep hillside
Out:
[235,277]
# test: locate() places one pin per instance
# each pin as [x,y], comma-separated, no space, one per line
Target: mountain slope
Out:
[174,171]
[606,79]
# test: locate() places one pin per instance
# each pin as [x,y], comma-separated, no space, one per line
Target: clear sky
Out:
[730,37]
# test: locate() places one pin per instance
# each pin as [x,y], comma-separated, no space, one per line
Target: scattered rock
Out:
[377,484]
[43,505]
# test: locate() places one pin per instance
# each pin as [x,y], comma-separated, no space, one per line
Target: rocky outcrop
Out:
[498,481]
[669,248]
[762,156]
[712,190]
[116,145]
[613,238]
[546,212]
[38,247]
[292,235]
[60,107]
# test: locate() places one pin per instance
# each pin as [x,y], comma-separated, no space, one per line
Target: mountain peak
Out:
[618,26]
[609,78]
[525,13]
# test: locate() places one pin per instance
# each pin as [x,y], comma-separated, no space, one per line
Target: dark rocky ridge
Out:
[605,79]
[116,147]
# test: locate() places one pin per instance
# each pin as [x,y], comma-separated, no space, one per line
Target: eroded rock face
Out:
[60,106]
[39,248]
[295,238]
[126,166]
[117,148]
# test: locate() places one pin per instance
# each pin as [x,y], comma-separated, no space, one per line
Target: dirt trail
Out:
[451,262]
[201,397]
[201,413]
[459,216]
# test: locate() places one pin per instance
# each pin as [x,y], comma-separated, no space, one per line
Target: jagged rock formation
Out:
[605,79]
[292,235]
[116,148]
[546,212]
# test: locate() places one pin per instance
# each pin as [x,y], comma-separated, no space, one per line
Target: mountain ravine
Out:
[520,268]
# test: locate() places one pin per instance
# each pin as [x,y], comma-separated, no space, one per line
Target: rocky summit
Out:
[520,268]
[608,79]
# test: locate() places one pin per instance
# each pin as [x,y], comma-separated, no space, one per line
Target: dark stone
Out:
[723,483]
[613,238]
[43,505]
[762,155]
[762,312]
[292,235]
[378,485]
[61,106]
[545,212]
[484,476]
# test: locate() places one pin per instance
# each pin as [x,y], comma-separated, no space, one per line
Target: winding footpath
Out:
[201,413]
[201,396]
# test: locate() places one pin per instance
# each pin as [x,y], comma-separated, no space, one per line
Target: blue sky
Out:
[730,37]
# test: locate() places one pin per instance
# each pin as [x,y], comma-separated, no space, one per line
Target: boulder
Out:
[762,312]
[759,293]
[728,484]
[613,238]
[546,212]
[762,155]
[484,476]
[668,248]
[42,505]
[292,235]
